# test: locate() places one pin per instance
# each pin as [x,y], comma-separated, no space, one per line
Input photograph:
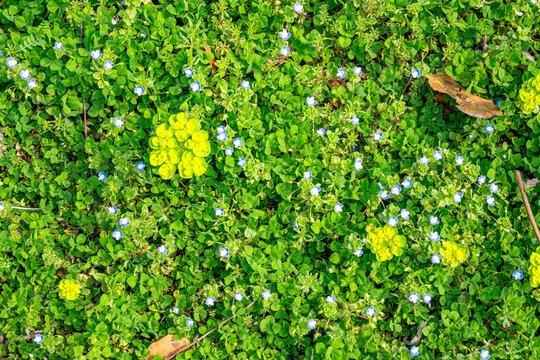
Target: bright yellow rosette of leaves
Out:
[453,254]
[534,269]
[530,95]
[69,289]
[386,243]
[180,144]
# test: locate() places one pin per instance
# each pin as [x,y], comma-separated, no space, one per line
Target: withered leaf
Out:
[212,61]
[470,104]
[168,347]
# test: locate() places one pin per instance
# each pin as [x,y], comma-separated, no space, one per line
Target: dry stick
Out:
[527,206]
[418,333]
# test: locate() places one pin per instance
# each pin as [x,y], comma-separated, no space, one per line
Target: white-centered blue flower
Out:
[357,70]
[424,160]
[25,74]
[175,310]
[436,259]
[266,295]
[457,197]
[396,189]
[371,311]
[124,221]
[285,50]
[414,297]
[195,86]
[434,236]
[341,73]
[112,210]
[295,225]
[489,128]
[38,339]
[407,183]
[2,206]
[484,355]
[338,207]
[416,73]
[330,299]
[221,130]
[405,215]
[58,46]
[11,62]
[101,176]
[245,84]
[378,136]
[490,200]
[238,296]
[189,323]
[139,90]
[31,83]
[224,252]
[393,221]
[237,143]
[315,190]
[427,298]
[284,35]
[298,8]
[114,22]
[222,136]
[383,194]
[229,151]
[140,166]
[308,175]
[162,250]
[517,275]
[96,54]
[494,188]
[210,301]
[433,220]
[143,35]
[358,164]
[312,324]
[219,212]
[364,240]
[310,100]
[321,132]
[241,162]
[415,351]
[481,179]
[534,2]
[459,160]
[117,234]
[189,72]
[355,120]
[359,252]
[108,65]
[118,122]
[437,155]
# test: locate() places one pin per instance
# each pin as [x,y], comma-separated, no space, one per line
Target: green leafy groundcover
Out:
[55,221]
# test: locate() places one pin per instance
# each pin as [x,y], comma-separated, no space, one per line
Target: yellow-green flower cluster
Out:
[453,254]
[180,144]
[69,289]
[386,243]
[534,270]
[530,95]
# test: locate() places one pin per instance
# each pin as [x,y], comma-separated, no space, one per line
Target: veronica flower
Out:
[96,54]
[307,175]
[484,355]
[338,207]
[415,351]
[11,62]
[124,221]
[404,214]
[436,259]
[112,210]
[114,22]
[358,165]
[489,128]
[359,252]
[481,179]
[321,132]
[459,160]
[315,190]
[139,90]
[341,73]
[295,225]
[224,252]
[427,298]
[494,188]
[38,339]
[219,212]
[534,2]
[162,250]
[396,189]
[101,176]
[457,197]
[238,143]
[221,130]
[378,136]
[58,46]
[519,13]
[298,8]
[25,74]
[1,206]
[364,240]
[415,74]
[229,151]
[393,221]
[190,323]
[312,324]
[434,236]
[407,183]
[285,50]
[117,234]
[222,136]
[118,122]
[210,301]
[490,200]
[357,70]
[175,310]
[383,194]
[330,299]
[414,297]
[371,311]
[517,275]
[189,72]
[143,35]
[242,162]
[433,220]
[31,83]
[107,65]
[245,84]
[284,35]
[424,160]
[195,86]
[266,295]
[238,296]
[140,166]
[355,120]
[437,155]
[310,100]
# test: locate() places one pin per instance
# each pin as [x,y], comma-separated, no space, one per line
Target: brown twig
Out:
[31,335]
[418,333]
[527,206]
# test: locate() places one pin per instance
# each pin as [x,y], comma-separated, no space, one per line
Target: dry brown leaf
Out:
[212,61]
[146,1]
[470,104]
[168,347]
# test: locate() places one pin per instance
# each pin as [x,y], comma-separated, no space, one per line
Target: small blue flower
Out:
[404,214]
[330,299]
[415,351]
[393,221]
[310,100]
[437,155]
[457,197]
[498,102]
[338,207]
[25,74]
[315,191]
[490,200]
[321,132]
[219,212]
[117,234]
[414,297]
[434,236]
[364,240]
[102,176]
[484,355]
[433,220]
[38,339]
[380,185]
[139,90]
[140,166]
[481,179]
[162,250]
[459,160]
[96,54]
[371,311]
[341,73]
[357,70]
[517,275]
[424,160]
[245,84]
[189,323]
[285,50]
[312,324]
[221,130]
[2,206]
[31,83]
[108,65]
[143,35]
[124,221]
[118,122]
[266,295]
[195,86]
[222,136]
[416,74]
[210,301]
[112,210]
[11,62]
[396,189]
[298,8]
[284,35]
[489,128]
[359,252]
[494,188]
[308,175]
[0,54]
[295,225]
[378,136]
[436,259]
[189,72]
[355,120]
[224,252]
[238,143]
[241,162]
[358,164]
[407,183]
[427,298]
[383,194]
[229,151]
[175,310]
[58,46]
[238,296]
